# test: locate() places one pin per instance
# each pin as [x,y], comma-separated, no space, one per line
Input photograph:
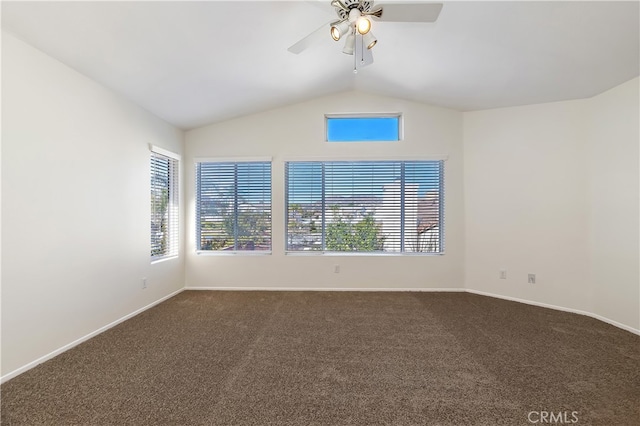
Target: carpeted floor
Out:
[338,358]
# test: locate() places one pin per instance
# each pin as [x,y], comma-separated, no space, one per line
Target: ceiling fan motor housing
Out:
[363,6]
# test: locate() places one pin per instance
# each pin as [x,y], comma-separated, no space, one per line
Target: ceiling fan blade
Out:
[321,5]
[339,4]
[363,56]
[408,12]
[311,39]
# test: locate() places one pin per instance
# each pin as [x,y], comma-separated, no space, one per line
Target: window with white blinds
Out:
[164,206]
[233,206]
[365,206]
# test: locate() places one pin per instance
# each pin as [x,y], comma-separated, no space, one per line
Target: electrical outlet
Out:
[503,274]
[144,283]
[336,269]
[531,279]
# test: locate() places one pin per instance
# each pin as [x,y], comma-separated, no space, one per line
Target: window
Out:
[365,206]
[363,128]
[233,206]
[164,204]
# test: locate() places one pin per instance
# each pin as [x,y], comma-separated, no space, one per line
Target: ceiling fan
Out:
[354,25]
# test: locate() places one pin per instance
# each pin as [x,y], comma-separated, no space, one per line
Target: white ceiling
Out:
[194,63]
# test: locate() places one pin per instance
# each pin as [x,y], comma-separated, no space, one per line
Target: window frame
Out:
[441,208]
[366,115]
[173,203]
[235,161]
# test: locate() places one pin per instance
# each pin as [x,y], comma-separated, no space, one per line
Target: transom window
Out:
[363,128]
[233,206]
[365,206]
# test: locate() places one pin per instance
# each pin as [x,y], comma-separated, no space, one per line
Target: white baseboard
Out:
[365,289]
[557,308]
[66,347]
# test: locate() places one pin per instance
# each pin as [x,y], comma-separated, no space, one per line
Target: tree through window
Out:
[233,207]
[164,205]
[365,206]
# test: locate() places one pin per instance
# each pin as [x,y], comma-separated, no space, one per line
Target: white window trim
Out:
[232,159]
[303,253]
[363,114]
[172,155]
[198,160]
[398,115]
[234,253]
[155,260]
[360,254]
[436,157]
[162,151]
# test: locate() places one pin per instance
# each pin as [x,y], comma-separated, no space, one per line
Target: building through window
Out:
[365,206]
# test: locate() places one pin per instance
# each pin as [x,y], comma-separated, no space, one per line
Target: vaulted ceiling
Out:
[194,63]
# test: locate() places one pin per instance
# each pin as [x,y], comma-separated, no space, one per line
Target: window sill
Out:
[163,259]
[356,254]
[232,253]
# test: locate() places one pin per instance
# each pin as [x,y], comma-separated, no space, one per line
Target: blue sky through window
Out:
[363,129]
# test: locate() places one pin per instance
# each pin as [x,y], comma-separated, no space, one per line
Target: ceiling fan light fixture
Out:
[339,29]
[364,25]
[349,44]
[354,15]
[369,40]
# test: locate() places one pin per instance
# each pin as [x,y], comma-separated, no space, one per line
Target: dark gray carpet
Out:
[320,358]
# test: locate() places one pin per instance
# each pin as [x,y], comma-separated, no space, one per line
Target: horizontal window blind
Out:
[164,206]
[233,206]
[365,206]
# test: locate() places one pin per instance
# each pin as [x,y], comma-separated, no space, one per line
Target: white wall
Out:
[539,182]
[525,202]
[297,132]
[75,206]
[613,157]
[548,189]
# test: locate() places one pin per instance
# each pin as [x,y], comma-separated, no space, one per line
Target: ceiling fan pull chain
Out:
[355,55]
